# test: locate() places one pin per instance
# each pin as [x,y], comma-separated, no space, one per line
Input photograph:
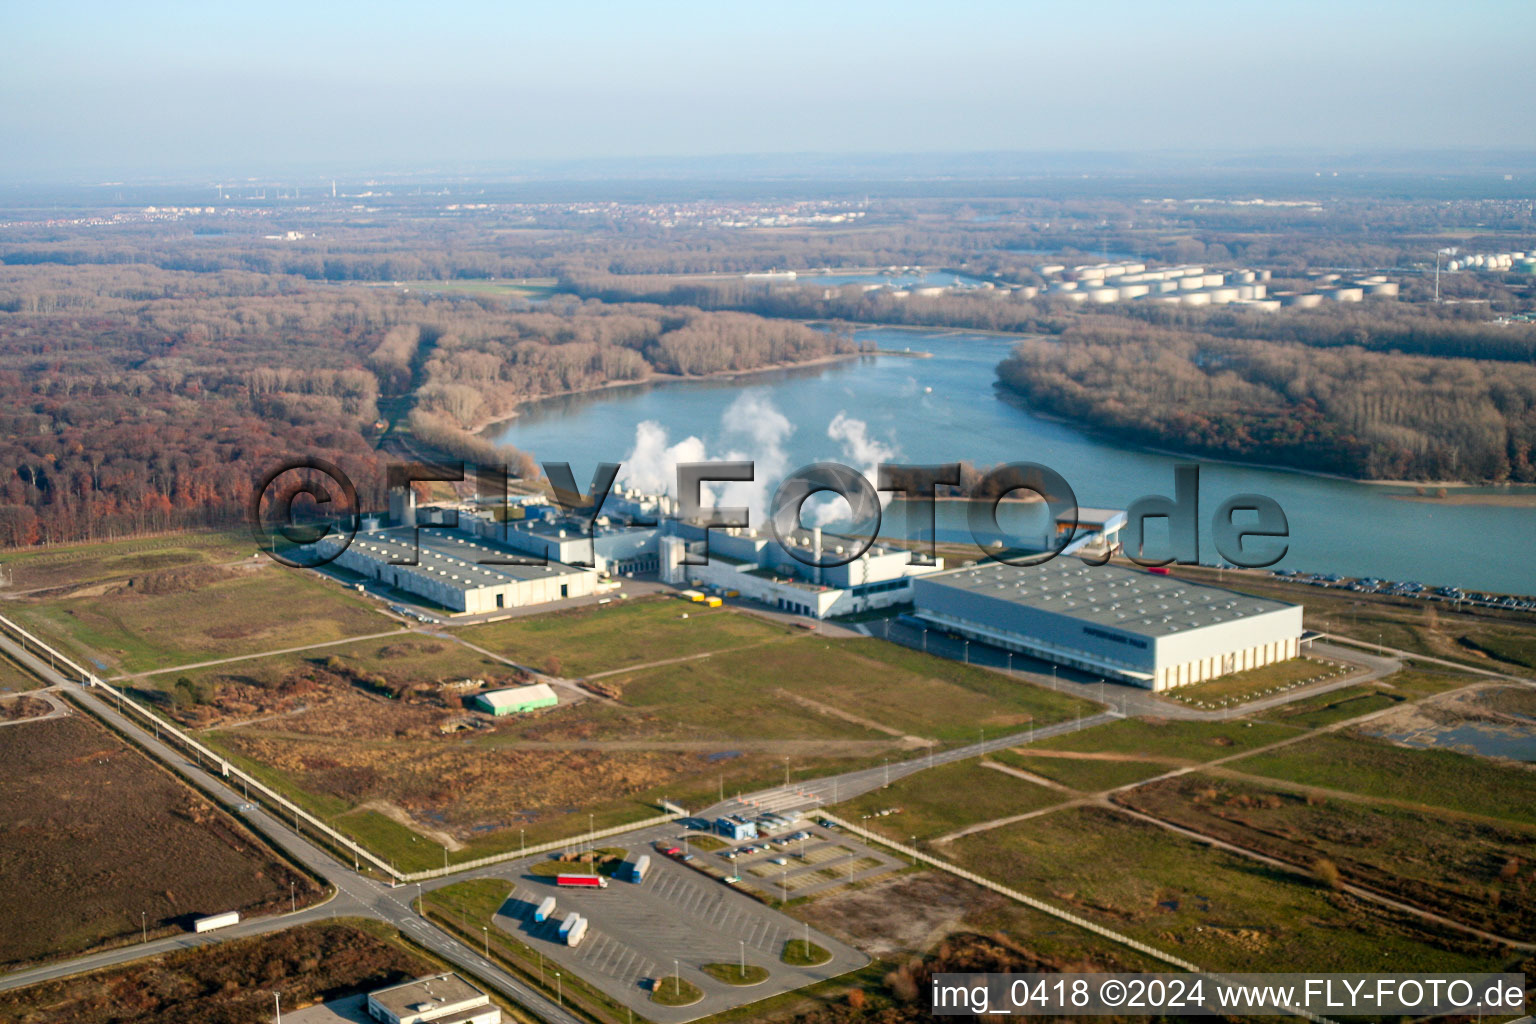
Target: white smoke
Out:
[651,465]
[752,429]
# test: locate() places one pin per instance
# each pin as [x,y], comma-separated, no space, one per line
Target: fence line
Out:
[1042,906]
[556,844]
[164,728]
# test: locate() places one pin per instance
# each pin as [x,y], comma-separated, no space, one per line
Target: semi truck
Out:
[545,910]
[581,881]
[641,866]
[208,924]
[572,929]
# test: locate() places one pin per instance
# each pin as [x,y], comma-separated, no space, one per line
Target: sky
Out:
[108,89]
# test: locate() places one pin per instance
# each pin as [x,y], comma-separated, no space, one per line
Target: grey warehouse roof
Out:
[421,995]
[1132,600]
[451,557]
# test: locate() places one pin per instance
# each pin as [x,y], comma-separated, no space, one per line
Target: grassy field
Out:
[938,801]
[1086,775]
[1479,875]
[521,288]
[1242,687]
[602,638]
[230,981]
[736,974]
[92,834]
[1432,778]
[181,616]
[854,688]
[1183,742]
[1217,909]
[14,679]
[1336,706]
[77,565]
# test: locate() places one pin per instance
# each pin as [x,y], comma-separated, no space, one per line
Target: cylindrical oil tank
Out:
[1214,280]
[1027,291]
[1243,277]
[1063,286]
[1049,269]
[1222,296]
[1387,289]
[1306,300]
[1075,296]
[1245,292]
[1134,291]
[1264,275]
[1196,299]
[1103,294]
[1166,286]
[1346,294]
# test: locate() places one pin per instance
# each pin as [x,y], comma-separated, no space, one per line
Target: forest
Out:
[1343,410]
[137,399]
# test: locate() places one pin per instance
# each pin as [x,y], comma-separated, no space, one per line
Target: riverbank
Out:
[483,425]
[1519,499]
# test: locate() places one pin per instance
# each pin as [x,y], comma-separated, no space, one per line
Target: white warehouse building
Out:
[1130,625]
[451,570]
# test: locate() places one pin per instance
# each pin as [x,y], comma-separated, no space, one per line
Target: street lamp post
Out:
[293,901]
[144,924]
[486,929]
[743,957]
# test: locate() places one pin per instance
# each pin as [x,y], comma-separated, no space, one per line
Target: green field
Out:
[937,801]
[1335,706]
[13,678]
[1086,775]
[76,565]
[521,288]
[602,638]
[1432,778]
[856,688]
[1479,875]
[1181,741]
[187,616]
[1217,909]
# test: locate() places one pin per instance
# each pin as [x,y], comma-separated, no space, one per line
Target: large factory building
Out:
[451,570]
[1151,630]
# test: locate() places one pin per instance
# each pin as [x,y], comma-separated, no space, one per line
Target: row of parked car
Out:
[1407,588]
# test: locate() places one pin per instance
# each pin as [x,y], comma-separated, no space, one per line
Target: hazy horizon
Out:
[95,91]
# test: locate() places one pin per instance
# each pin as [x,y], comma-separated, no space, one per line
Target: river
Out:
[946,408]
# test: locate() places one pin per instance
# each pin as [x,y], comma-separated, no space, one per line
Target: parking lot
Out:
[676,918]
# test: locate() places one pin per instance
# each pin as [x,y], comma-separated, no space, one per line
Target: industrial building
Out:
[1151,630]
[452,569]
[441,999]
[514,700]
[756,566]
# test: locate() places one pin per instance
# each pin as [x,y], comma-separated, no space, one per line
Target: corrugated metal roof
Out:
[1133,600]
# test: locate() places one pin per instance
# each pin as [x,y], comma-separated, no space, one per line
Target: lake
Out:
[946,409]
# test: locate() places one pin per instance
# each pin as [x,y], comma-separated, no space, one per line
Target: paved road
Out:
[355,894]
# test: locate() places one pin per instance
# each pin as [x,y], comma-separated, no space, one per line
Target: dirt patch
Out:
[92,833]
[848,716]
[18,708]
[230,982]
[902,914]
[396,813]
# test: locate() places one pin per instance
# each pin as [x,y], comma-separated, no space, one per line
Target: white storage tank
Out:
[1196,299]
[1134,291]
[1102,295]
